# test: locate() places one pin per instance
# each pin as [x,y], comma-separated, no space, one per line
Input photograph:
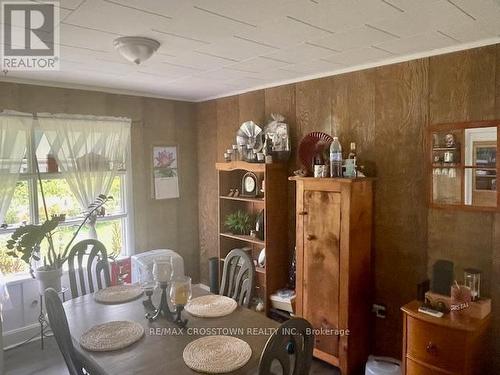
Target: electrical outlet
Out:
[379,310]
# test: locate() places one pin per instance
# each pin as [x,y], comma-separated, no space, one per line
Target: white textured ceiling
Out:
[212,48]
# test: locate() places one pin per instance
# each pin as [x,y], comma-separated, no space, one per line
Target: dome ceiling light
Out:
[135,48]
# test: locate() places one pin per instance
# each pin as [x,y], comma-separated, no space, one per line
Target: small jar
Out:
[237,156]
[472,279]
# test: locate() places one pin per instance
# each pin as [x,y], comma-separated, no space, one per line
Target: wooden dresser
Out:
[442,346]
[333,284]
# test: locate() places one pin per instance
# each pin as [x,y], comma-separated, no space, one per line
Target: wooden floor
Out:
[30,360]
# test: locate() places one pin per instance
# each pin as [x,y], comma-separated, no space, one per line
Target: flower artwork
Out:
[165,173]
[165,163]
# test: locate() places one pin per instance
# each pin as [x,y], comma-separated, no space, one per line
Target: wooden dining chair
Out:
[290,347]
[238,277]
[98,255]
[76,363]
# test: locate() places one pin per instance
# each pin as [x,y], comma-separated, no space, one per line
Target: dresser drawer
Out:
[435,345]
[413,368]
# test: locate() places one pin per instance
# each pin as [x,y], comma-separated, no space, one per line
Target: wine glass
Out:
[162,270]
[180,291]
[147,283]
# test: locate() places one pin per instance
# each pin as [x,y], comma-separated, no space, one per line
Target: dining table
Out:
[160,350]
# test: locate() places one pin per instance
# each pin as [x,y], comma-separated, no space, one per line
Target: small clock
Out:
[250,185]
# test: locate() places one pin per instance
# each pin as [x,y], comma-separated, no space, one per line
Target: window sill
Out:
[17,278]
[21,277]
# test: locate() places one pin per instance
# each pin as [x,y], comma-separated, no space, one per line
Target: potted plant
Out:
[25,243]
[239,222]
[26,240]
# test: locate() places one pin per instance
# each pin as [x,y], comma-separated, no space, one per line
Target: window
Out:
[27,207]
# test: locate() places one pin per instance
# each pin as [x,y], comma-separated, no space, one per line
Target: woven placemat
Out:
[111,336]
[211,306]
[118,294]
[216,354]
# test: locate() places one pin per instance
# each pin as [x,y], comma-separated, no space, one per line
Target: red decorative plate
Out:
[308,146]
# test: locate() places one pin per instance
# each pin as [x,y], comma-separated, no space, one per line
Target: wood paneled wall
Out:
[384,110]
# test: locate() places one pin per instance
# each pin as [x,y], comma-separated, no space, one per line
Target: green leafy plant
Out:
[239,222]
[24,243]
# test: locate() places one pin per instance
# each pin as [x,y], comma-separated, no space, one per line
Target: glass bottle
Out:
[350,164]
[336,158]
[318,163]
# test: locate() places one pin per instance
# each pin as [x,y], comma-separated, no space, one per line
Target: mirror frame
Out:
[459,126]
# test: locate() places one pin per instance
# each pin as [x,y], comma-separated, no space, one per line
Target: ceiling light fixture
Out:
[135,48]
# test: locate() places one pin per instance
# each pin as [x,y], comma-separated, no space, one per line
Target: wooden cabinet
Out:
[442,345]
[334,230]
[272,201]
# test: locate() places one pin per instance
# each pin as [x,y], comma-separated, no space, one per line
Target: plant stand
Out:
[44,324]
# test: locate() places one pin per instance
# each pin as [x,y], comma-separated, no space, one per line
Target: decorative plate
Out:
[217,354]
[111,336]
[308,146]
[211,306]
[250,134]
[118,294]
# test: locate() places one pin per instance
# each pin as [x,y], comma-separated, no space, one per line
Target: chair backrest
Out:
[291,347]
[59,325]
[97,254]
[238,277]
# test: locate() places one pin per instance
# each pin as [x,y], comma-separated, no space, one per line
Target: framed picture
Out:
[165,172]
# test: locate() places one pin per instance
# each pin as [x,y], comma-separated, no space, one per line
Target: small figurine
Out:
[450,140]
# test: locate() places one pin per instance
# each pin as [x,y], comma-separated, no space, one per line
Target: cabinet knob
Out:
[303,213]
[310,237]
[431,348]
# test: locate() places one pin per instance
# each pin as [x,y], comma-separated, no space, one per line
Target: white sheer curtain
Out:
[13,135]
[89,152]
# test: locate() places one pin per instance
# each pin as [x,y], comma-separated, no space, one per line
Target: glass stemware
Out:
[162,270]
[147,283]
[180,291]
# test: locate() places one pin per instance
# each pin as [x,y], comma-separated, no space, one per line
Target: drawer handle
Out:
[303,213]
[310,237]
[431,348]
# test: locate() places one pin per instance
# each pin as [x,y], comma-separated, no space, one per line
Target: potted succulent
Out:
[25,243]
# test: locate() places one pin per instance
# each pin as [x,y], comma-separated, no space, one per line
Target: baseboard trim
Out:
[14,338]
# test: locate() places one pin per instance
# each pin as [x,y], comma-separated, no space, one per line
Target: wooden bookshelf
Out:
[274,203]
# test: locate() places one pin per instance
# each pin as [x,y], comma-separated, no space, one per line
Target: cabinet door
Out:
[321,265]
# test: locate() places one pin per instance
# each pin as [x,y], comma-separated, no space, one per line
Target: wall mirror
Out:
[464,165]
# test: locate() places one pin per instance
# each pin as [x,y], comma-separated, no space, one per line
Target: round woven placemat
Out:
[111,336]
[211,306]
[118,294]
[216,354]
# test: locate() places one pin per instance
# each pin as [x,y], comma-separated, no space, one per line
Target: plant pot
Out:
[48,279]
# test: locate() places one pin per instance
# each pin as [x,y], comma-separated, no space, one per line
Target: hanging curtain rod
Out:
[16,114]
[68,117]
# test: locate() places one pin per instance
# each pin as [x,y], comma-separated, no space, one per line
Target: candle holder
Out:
[163,310]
